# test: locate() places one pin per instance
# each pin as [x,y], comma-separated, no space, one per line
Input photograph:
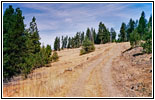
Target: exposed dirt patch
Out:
[132,72]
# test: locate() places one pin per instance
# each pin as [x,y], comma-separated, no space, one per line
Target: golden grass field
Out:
[88,75]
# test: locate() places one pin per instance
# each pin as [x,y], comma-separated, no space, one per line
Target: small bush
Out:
[55,56]
[134,39]
[87,46]
[147,46]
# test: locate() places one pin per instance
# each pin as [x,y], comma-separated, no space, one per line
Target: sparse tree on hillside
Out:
[130,28]
[55,56]
[69,43]
[62,42]
[134,38]
[142,24]
[147,46]
[89,35]
[122,35]
[65,41]
[57,44]
[77,40]
[87,46]
[113,35]
[82,37]
[103,34]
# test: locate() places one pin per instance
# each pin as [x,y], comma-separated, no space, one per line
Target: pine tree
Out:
[65,41]
[14,42]
[142,24]
[55,56]
[77,40]
[89,35]
[57,44]
[82,37]
[107,36]
[72,42]
[34,36]
[94,36]
[100,32]
[130,28]
[48,50]
[69,43]
[122,35]
[134,38]
[62,42]
[113,34]
[87,46]
[103,34]
[147,46]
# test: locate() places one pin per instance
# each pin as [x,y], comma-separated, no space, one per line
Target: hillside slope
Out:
[90,75]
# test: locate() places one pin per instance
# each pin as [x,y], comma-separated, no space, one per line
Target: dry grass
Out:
[58,79]
[54,80]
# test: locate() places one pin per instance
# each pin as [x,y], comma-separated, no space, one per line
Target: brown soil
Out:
[132,73]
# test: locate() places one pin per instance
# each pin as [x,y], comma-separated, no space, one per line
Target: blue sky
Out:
[57,19]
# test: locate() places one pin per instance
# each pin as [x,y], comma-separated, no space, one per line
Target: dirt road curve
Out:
[99,71]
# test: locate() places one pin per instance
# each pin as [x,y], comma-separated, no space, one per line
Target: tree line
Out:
[102,36]
[138,33]
[133,32]
[22,51]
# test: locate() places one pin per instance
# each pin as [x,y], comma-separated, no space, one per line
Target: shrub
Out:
[55,56]
[134,39]
[147,46]
[87,46]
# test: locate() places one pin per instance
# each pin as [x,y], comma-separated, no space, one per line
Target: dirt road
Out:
[104,82]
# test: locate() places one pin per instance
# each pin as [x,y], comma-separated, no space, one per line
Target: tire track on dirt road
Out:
[103,67]
[107,81]
[77,88]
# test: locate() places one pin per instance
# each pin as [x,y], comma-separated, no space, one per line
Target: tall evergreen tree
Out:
[77,40]
[82,37]
[100,32]
[65,41]
[122,34]
[142,24]
[14,42]
[94,35]
[57,44]
[113,34]
[89,35]
[103,34]
[62,42]
[34,36]
[130,28]
[148,30]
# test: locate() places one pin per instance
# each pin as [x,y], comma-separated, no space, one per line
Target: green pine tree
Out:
[34,36]
[122,34]
[130,28]
[113,35]
[14,42]
[142,25]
